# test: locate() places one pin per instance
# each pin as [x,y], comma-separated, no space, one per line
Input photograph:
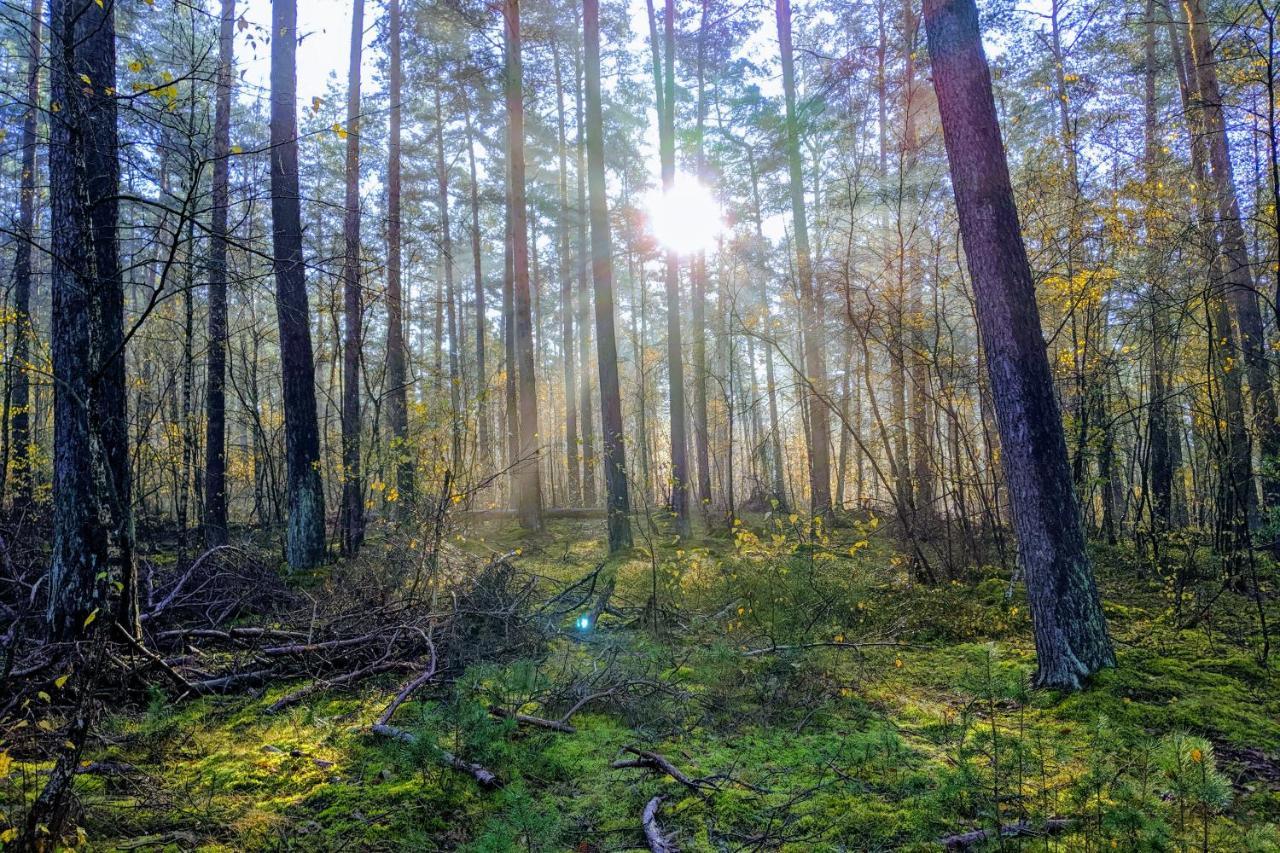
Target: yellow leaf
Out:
[61,681]
[135,66]
[44,696]
[85,79]
[236,149]
[88,620]
[898,663]
[8,835]
[45,726]
[99,2]
[6,763]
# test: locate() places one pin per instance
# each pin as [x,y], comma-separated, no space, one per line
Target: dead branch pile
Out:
[228,622]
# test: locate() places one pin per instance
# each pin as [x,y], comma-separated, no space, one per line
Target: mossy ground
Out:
[926,729]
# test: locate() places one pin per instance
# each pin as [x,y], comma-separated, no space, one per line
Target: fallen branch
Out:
[484,776]
[769,650]
[654,761]
[185,686]
[966,840]
[658,841]
[407,690]
[537,722]
[325,684]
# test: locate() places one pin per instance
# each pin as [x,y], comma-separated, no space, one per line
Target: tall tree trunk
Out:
[352,307]
[675,348]
[568,354]
[1241,293]
[528,472]
[814,388]
[1236,496]
[92,514]
[484,436]
[1070,630]
[617,497]
[215,465]
[586,425]
[697,318]
[305,537]
[917,358]
[451,305]
[20,394]
[1160,443]
[397,372]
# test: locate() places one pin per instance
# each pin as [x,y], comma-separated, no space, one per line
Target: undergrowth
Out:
[827,700]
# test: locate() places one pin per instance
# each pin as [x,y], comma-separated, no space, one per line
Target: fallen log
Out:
[658,840]
[485,777]
[966,840]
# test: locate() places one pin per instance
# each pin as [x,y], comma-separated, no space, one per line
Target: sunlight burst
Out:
[688,219]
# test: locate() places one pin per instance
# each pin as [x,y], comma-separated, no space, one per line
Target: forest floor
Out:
[899,715]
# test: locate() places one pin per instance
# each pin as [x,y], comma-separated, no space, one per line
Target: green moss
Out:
[887,747]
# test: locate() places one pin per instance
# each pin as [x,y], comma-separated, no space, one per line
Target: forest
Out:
[704,425]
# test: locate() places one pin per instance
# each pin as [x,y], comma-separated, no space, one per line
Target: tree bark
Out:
[305,536]
[814,388]
[352,307]
[451,309]
[527,468]
[1070,630]
[20,393]
[397,372]
[92,513]
[617,496]
[675,348]
[585,422]
[1240,289]
[484,432]
[567,352]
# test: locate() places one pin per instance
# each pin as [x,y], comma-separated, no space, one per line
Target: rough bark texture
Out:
[20,395]
[1070,630]
[92,518]
[617,497]
[304,536]
[215,465]
[352,307]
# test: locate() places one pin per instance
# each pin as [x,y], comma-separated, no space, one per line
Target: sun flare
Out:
[687,219]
